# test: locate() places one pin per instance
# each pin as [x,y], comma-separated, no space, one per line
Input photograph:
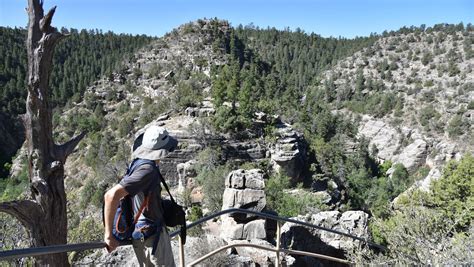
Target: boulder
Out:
[318,241]
[414,155]
[254,230]
[244,189]
[230,229]
[254,179]
[235,179]
[240,179]
[250,199]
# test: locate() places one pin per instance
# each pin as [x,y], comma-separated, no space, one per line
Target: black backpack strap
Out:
[182,229]
[167,188]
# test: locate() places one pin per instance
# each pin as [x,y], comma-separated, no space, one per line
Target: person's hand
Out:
[111,243]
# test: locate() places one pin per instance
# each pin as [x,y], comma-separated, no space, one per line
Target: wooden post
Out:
[181,252]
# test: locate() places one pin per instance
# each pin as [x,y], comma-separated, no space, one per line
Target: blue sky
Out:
[347,18]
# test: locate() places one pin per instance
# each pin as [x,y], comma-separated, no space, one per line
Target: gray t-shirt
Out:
[136,186]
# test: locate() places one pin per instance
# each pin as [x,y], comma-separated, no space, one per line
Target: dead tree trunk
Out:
[44,215]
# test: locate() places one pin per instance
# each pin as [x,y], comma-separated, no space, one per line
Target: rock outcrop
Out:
[288,153]
[186,173]
[317,241]
[400,145]
[244,189]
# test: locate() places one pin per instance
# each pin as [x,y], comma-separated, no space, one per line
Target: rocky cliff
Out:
[415,93]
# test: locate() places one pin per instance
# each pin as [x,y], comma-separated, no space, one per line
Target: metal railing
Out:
[39,251]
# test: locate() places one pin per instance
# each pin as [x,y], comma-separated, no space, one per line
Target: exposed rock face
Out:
[390,143]
[255,230]
[186,173]
[288,154]
[200,112]
[414,155]
[380,134]
[244,189]
[318,241]
[248,150]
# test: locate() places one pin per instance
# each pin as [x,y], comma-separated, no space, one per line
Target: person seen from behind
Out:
[142,184]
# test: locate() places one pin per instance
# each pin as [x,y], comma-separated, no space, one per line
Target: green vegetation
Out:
[91,193]
[457,126]
[194,215]
[275,79]
[277,72]
[78,61]
[88,229]
[290,204]
[211,176]
[431,227]
[454,192]
[12,188]
[428,114]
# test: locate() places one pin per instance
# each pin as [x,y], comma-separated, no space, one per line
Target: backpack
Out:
[125,224]
[127,227]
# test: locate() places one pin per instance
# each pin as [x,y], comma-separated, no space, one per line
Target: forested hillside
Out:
[79,60]
[376,126]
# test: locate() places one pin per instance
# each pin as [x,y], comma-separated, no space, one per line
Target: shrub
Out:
[453,193]
[417,235]
[289,204]
[428,113]
[12,188]
[456,126]
[470,106]
[194,215]
[91,193]
[211,177]
[88,230]
[155,70]
[136,73]
[212,181]
[432,227]
[188,95]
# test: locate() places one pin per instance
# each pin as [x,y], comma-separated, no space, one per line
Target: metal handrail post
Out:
[181,252]
[278,233]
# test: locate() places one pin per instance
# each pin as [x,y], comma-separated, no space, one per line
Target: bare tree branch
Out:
[26,211]
[45,22]
[64,150]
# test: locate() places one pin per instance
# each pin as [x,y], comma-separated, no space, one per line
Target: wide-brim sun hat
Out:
[154,144]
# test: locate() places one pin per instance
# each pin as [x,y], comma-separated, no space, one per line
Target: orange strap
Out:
[142,207]
[117,224]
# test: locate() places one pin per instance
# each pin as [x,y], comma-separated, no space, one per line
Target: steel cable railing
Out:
[39,251]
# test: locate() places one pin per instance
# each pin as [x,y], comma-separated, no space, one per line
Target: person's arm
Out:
[111,202]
